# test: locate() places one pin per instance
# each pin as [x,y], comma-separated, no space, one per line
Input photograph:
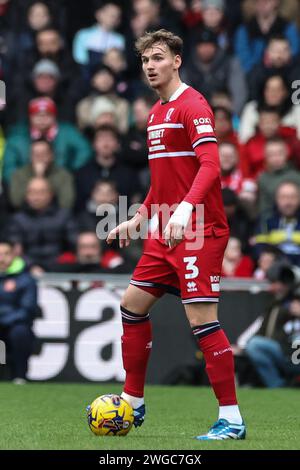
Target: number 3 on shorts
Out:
[190,266]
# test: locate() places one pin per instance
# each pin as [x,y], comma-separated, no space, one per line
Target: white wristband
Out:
[182,214]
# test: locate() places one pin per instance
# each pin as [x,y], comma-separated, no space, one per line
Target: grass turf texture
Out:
[52,416]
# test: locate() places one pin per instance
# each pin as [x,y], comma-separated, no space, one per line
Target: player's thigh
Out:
[137,300]
[153,274]
[199,313]
[199,270]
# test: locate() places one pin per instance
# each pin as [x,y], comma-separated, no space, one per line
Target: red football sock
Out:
[136,349]
[219,361]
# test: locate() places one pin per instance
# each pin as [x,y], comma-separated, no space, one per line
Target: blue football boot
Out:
[139,415]
[222,429]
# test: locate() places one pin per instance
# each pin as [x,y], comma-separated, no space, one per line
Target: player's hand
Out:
[174,234]
[124,231]
[174,231]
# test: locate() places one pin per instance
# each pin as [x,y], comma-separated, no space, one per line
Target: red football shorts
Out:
[191,273]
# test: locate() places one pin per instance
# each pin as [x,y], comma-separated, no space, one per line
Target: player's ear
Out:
[177,62]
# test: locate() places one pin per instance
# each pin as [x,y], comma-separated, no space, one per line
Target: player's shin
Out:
[136,348]
[219,367]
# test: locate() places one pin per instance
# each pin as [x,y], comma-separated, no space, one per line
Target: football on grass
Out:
[110,415]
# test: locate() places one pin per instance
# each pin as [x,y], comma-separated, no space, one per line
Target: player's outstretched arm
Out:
[126,230]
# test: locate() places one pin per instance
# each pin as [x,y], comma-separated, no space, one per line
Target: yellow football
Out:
[110,415]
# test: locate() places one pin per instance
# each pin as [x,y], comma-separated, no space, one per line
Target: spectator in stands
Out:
[49,44]
[18,307]
[268,256]
[210,68]
[282,228]
[222,99]
[115,60]
[184,15]
[277,60]
[277,170]
[251,38]
[91,43]
[42,230]
[38,16]
[271,349]
[103,113]
[235,264]
[145,16]
[223,126]
[89,257]
[71,149]
[239,221]
[134,148]
[106,164]
[269,126]
[104,197]
[181,15]
[276,93]
[149,13]
[42,164]
[102,85]
[231,175]
[213,18]
[45,81]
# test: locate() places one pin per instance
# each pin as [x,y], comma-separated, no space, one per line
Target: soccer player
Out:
[185,170]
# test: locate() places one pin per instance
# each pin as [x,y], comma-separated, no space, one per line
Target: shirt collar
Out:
[178,92]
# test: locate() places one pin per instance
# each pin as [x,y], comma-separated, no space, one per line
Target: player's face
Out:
[160,65]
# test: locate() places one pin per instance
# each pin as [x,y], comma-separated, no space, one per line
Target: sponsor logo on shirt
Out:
[202,121]
[204,128]
[159,133]
[215,283]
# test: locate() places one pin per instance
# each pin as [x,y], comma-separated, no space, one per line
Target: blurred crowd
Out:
[73,131]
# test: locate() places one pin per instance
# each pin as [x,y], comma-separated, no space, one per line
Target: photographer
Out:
[18,305]
[271,350]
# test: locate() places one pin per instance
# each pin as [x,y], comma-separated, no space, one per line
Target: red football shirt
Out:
[183,157]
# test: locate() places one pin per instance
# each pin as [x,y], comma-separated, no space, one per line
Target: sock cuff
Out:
[206,329]
[133,318]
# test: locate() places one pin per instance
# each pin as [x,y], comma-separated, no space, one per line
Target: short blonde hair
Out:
[163,36]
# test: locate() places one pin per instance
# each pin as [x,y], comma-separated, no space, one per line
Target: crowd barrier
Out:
[78,331]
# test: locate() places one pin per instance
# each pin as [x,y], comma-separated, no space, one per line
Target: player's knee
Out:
[126,300]
[196,322]
[136,301]
[128,304]
[200,313]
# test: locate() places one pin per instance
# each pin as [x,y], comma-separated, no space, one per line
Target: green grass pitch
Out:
[52,416]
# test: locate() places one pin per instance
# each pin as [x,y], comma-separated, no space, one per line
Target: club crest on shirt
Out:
[169,114]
